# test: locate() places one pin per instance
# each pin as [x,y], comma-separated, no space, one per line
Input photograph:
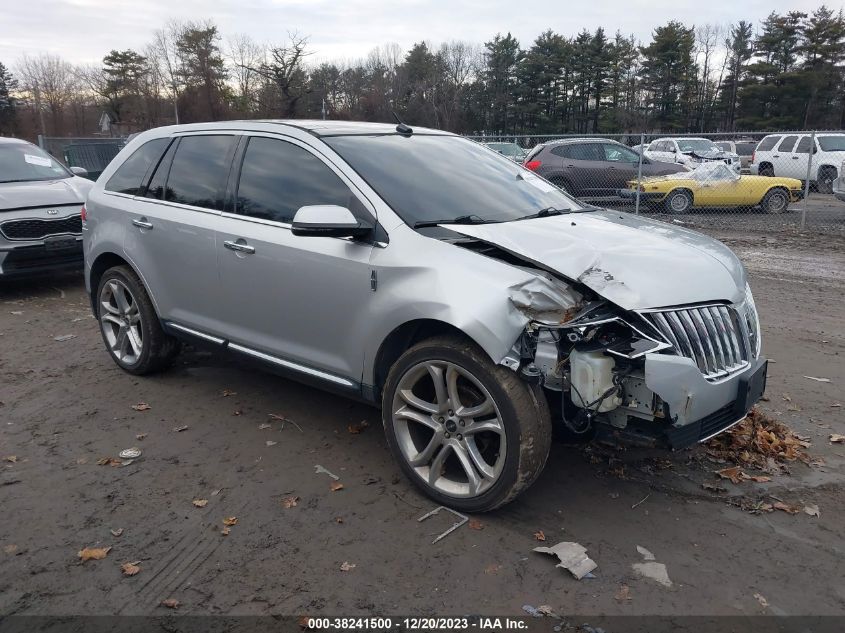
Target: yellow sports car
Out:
[715,185]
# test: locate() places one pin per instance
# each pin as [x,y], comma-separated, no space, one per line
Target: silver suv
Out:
[470,299]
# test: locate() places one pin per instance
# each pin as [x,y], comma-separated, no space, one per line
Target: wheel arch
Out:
[99,266]
[404,337]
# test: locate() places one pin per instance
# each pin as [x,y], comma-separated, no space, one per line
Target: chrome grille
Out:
[710,335]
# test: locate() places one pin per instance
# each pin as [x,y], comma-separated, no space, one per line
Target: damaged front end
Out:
[670,377]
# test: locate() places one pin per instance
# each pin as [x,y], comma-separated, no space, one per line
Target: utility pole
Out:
[40,111]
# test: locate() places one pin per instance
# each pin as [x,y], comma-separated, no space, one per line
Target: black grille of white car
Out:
[35,229]
[711,336]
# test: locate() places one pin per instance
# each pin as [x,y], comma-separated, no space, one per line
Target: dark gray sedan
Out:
[592,167]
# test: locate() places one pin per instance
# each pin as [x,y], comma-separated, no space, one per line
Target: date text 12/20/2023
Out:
[476,623]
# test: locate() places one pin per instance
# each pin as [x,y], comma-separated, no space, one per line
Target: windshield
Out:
[697,145]
[431,178]
[508,149]
[832,143]
[21,162]
[713,172]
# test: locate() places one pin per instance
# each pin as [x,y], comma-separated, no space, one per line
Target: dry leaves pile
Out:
[759,441]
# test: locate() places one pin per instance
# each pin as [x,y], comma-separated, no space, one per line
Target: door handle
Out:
[795,158]
[775,155]
[239,247]
[142,223]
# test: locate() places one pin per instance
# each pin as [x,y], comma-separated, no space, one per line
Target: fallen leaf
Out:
[10,549]
[347,566]
[539,535]
[179,429]
[200,503]
[836,438]
[230,521]
[290,502]
[109,461]
[270,443]
[171,603]
[760,479]
[492,569]
[355,429]
[116,533]
[130,569]
[733,473]
[303,622]
[141,406]
[338,519]
[93,553]
[140,436]
[812,510]
[818,379]
[780,505]
[335,486]
[225,531]
[624,593]
[11,458]
[545,609]
[228,392]
[763,602]
[475,524]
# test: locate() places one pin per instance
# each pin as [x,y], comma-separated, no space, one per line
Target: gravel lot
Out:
[64,405]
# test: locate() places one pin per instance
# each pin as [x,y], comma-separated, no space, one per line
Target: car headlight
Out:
[752,321]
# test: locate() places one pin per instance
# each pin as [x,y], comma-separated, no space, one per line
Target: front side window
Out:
[619,154]
[24,162]
[277,178]
[437,178]
[129,176]
[199,171]
[803,146]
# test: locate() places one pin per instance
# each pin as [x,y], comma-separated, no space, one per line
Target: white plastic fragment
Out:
[319,469]
[647,555]
[573,557]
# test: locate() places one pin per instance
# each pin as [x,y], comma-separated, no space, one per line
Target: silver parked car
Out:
[470,299]
[40,202]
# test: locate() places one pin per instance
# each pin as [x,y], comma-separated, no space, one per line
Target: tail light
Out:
[533,165]
[83,213]
[753,155]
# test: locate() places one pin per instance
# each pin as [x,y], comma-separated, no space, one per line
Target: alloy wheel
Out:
[120,320]
[449,429]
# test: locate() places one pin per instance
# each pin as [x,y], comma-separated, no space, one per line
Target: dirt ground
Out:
[64,405]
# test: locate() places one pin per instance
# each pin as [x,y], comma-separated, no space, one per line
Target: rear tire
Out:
[767,170]
[775,201]
[129,324]
[678,202]
[449,414]
[824,183]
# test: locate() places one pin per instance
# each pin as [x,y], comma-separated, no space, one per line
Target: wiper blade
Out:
[544,213]
[461,219]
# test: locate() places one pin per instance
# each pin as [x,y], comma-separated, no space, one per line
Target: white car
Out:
[788,154]
[690,152]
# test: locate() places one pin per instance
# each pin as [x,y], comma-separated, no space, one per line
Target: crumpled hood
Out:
[632,261]
[20,195]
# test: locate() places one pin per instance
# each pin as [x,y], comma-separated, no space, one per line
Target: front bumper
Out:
[697,408]
[46,256]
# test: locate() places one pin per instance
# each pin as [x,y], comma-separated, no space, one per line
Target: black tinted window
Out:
[767,143]
[155,188]
[129,176]
[199,171]
[745,149]
[586,151]
[277,178]
[787,143]
[803,145]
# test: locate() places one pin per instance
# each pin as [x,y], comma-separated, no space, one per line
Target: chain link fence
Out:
[758,181]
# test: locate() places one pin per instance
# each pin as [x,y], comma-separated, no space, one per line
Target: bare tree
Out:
[285,70]
[167,58]
[52,82]
[245,55]
[708,38]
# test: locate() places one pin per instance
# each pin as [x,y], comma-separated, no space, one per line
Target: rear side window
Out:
[277,178]
[199,171]
[585,151]
[768,143]
[129,176]
[787,143]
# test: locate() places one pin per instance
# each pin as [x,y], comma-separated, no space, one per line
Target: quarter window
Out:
[199,171]
[277,178]
[129,176]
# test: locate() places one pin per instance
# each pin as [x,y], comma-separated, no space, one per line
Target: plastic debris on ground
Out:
[573,557]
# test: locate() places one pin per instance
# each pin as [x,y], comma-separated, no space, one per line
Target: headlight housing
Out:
[752,322]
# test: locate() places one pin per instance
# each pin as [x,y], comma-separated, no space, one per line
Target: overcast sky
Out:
[83,31]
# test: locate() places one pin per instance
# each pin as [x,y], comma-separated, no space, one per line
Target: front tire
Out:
[678,202]
[470,434]
[129,324]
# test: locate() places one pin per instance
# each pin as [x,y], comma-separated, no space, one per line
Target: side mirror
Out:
[79,171]
[328,220]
